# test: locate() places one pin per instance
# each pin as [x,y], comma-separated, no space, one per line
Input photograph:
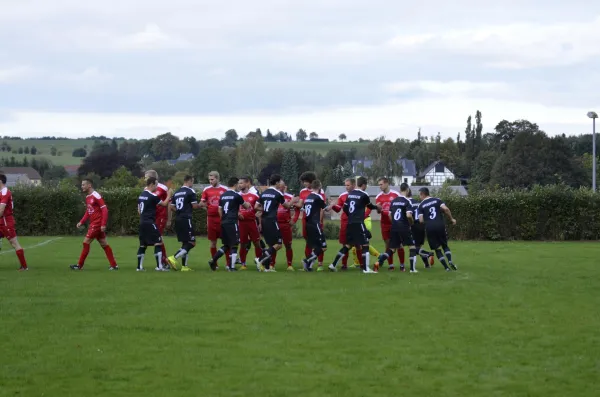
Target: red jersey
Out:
[304,193]
[162,192]
[96,210]
[211,196]
[385,200]
[284,215]
[251,198]
[6,198]
[340,205]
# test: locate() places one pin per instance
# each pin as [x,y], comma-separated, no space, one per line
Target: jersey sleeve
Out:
[280,199]
[204,195]
[5,199]
[173,200]
[155,200]
[193,198]
[240,200]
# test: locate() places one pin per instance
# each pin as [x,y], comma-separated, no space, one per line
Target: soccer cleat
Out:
[270,270]
[23,269]
[161,269]
[213,266]
[320,268]
[172,262]
[368,270]
[140,269]
[402,268]
[231,269]
[414,271]
[332,268]
[186,269]
[376,266]
[453,266]
[113,268]
[244,267]
[291,268]
[258,264]
[73,267]
[391,268]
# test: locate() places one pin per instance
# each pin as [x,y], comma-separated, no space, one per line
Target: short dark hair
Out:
[151,181]
[409,193]
[424,190]
[188,178]
[316,185]
[88,180]
[308,176]
[404,187]
[274,179]
[232,182]
[361,181]
[3,178]
[246,179]
[383,179]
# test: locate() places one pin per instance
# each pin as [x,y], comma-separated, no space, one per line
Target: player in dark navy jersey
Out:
[401,215]
[356,234]
[183,203]
[149,233]
[268,204]
[313,207]
[229,209]
[418,232]
[431,212]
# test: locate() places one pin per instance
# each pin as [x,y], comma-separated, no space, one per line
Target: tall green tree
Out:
[289,171]
[251,156]
[301,135]
[211,159]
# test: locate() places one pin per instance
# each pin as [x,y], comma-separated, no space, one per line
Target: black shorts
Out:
[271,233]
[315,237]
[230,234]
[418,232]
[184,230]
[437,237]
[400,238]
[149,234]
[357,234]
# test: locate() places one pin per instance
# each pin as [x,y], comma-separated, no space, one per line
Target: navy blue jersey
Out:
[399,208]
[270,200]
[355,205]
[230,203]
[415,209]
[431,209]
[147,203]
[184,200]
[312,208]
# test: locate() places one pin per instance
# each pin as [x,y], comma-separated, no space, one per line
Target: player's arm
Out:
[244,203]
[86,215]
[409,216]
[296,215]
[286,204]
[369,204]
[337,207]
[446,210]
[220,212]
[420,212]
[3,207]
[169,213]
[104,211]
[167,201]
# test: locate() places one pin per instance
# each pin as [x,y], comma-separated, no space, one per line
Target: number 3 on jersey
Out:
[432,213]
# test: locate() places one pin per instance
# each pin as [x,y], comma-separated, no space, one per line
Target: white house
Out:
[409,170]
[436,174]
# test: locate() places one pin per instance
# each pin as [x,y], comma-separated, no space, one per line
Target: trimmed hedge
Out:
[542,213]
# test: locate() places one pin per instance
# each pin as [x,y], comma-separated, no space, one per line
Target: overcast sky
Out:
[365,68]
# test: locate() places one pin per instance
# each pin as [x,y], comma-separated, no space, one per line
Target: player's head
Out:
[307,178]
[151,184]
[409,192]
[361,182]
[245,182]
[316,186]
[3,179]
[213,178]
[275,180]
[350,184]
[151,174]
[283,187]
[384,184]
[87,185]
[405,189]
[232,183]
[423,192]
[188,181]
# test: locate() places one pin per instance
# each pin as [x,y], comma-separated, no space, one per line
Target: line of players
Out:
[239,214]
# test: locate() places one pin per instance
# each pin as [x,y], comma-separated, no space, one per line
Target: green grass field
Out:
[517,319]
[65,147]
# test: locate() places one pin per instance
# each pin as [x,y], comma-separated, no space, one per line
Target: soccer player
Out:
[313,208]
[307,178]
[7,222]
[269,203]
[249,233]
[149,233]
[286,222]
[349,184]
[418,232]
[211,196]
[400,213]
[384,199]
[97,212]
[431,210]
[162,213]
[183,202]
[356,233]
[229,207]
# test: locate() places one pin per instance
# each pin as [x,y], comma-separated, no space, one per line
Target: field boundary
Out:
[46,242]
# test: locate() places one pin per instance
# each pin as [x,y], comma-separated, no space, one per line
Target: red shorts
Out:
[386,233]
[95,233]
[343,227]
[249,231]
[286,232]
[7,228]
[161,223]
[213,228]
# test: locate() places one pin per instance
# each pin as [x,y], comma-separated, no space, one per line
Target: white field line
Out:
[11,251]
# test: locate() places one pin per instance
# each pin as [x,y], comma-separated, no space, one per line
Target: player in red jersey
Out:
[211,196]
[7,222]
[163,215]
[384,199]
[307,178]
[248,227]
[285,222]
[97,212]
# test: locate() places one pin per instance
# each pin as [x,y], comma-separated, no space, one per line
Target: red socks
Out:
[213,252]
[273,259]
[257,250]
[84,253]
[21,255]
[307,251]
[164,254]
[244,253]
[289,253]
[110,256]
[401,256]
[345,260]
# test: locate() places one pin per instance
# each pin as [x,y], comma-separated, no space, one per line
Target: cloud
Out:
[15,74]
[449,88]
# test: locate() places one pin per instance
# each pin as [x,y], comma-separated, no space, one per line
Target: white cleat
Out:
[414,271]
[259,266]
[161,269]
[140,269]
[369,271]
[332,268]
